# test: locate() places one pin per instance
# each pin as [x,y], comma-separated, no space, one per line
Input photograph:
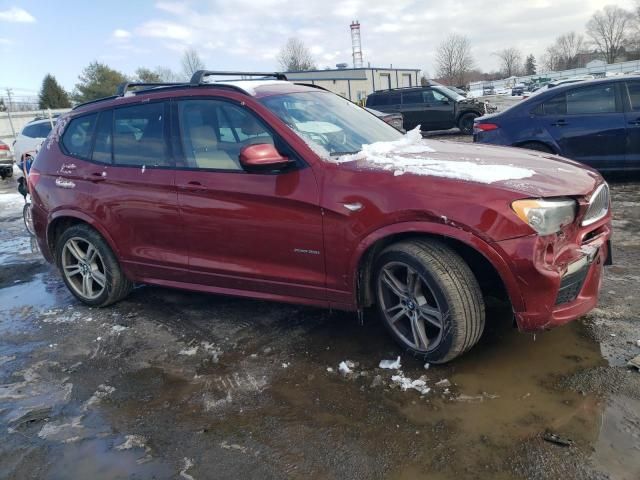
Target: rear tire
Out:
[429,299]
[89,267]
[537,146]
[465,122]
[28,219]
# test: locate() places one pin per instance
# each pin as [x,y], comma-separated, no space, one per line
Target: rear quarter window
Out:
[78,136]
[38,130]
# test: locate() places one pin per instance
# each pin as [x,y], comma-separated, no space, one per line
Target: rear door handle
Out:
[97,177]
[560,123]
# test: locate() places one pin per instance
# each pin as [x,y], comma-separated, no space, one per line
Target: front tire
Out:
[89,267]
[429,299]
[465,123]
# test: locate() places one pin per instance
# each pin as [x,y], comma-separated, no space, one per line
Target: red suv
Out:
[281,191]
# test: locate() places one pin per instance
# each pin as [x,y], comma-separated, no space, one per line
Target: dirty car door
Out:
[258,232]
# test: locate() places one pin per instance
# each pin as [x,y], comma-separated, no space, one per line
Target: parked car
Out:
[6,161]
[394,119]
[489,90]
[223,187]
[431,107]
[596,122]
[518,89]
[30,138]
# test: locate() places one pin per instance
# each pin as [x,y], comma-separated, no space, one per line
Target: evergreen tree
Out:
[97,81]
[530,65]
[52,95]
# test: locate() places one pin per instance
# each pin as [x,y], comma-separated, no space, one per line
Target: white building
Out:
[356,83]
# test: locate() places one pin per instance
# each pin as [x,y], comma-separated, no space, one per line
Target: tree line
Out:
[611,34]
[98,80]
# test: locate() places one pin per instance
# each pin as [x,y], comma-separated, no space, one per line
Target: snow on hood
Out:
[410,155]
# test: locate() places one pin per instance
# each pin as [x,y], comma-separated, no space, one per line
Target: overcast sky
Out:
[61,37]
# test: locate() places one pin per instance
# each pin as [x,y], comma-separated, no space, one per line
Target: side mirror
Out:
[262,156]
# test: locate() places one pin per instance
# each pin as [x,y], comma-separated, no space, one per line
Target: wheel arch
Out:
[63,219]
[544,143]
[491,270]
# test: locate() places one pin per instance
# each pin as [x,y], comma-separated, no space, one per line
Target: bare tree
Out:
[454,60]
[294,56]
[191,62]
[608,29]
[569,46]
[551,59]
[167,75]
[511,61]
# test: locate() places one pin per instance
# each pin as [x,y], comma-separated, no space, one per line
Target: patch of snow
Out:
[285,365]
[391,364]
[12,199]
[102,392]
[407,155]
[426,366]
[420,384]
[638,343]
[132,441]
[443,383]
[233,446]
[346,367]
[330,370]
[119,328]
[189,351]
[62,432]
[212,350]
[188,463]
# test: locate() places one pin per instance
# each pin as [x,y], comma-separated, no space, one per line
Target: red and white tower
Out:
[356,45]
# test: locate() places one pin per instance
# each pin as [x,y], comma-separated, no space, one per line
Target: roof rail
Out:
[125,86]
[97,100]
[198,77]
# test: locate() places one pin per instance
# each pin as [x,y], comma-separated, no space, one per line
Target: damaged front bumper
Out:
[558,277]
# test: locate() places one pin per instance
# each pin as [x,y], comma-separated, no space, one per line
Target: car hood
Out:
[523,172]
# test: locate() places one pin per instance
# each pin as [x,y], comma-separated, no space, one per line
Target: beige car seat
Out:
[206,153]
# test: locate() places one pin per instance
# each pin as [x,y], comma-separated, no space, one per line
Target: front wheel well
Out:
[532,144]
[488,278]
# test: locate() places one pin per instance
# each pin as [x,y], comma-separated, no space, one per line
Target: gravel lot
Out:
[172,384]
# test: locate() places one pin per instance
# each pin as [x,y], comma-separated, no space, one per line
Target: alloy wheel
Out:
[410,306]
[84,268]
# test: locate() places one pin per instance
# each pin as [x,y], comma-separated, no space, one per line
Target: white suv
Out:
[32,135]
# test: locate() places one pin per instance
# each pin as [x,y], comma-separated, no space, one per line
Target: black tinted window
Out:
[38,130]
[596,99]
[139,137]
[390,99]
[102,147]
[634,95]
[373,100]
[556,106]
[77,137]
[412,97]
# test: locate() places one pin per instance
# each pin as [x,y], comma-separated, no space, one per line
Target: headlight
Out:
[546,216]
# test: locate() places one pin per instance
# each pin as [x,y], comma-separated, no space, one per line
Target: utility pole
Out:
[9,107]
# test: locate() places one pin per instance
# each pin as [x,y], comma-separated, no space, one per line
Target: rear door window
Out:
[556,106]
[634,95]
[37,130]
[139,136]
[592,100]
[77,137]
[103,143]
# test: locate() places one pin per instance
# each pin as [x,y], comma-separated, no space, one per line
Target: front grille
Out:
[598,205]
[571,285]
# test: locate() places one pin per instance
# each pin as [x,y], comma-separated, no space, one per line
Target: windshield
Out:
[449,93]
[330,122]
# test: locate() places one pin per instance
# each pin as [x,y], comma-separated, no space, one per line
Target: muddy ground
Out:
[172,384]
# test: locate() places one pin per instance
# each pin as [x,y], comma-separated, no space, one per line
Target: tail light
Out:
[484,127]
[33,178]
[4,146]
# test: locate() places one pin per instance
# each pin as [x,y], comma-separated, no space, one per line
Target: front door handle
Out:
[195,186]
[635,122]
[560,123]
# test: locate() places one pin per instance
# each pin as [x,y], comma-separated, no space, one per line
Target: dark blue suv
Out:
[596,122]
